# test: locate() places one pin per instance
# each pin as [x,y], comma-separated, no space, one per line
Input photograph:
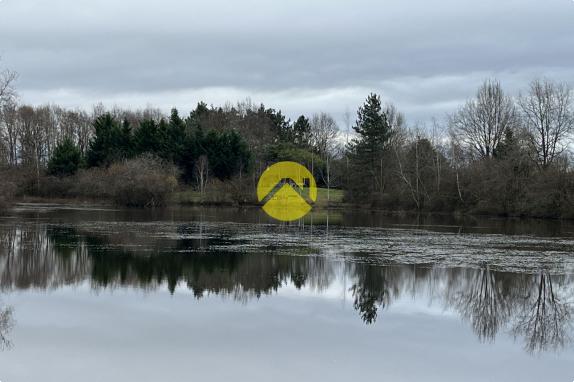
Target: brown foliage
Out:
[7,192]
[142,182]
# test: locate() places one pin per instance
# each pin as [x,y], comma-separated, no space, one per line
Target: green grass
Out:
[190,196]
[334,197]
[187,196]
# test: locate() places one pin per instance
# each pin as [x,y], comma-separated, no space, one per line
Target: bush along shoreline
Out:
[502,165]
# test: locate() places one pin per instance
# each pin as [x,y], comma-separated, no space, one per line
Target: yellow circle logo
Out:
[287,191]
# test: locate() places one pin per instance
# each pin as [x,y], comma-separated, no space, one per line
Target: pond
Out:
[97,294]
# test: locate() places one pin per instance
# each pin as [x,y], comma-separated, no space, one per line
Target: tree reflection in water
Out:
[6,325]
[534,307]
[544,318]
[484,301]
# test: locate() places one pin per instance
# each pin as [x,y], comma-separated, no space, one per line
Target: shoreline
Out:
[334,206]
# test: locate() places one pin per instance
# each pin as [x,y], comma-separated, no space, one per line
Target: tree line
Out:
[496,154]
[211,144]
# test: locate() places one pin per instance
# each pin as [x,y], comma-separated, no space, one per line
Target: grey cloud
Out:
[427,56]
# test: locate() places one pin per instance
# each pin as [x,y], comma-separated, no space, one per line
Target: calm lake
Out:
[229,295]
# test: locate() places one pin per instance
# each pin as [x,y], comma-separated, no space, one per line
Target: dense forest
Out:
[496,154]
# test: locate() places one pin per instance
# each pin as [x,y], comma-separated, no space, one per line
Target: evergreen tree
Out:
[164,144]
[104,147]
[372,127]
[280,124]
[175,138]
[235,153]
[147,138]
[367,152]
[125,144]
[194,120]
[302,131]
[227,153]
[66,159]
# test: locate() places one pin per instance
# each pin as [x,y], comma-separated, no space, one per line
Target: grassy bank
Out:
[217,196]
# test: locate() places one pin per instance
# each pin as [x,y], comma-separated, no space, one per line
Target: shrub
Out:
[24,178]
[7,192]
[142,182]
[55,187]
[92,183]
[241,190]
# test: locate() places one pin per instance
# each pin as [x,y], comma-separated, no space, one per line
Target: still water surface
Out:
[227,295]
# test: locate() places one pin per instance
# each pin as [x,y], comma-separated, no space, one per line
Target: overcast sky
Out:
[301,56]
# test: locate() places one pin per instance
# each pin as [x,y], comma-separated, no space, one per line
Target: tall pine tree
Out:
[302,131]
[175,138]
[148,138]
[66,159]
[105,146]
[368,150]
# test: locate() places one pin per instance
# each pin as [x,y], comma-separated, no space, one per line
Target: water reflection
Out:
[544,318]
[536,307]
[6,325]
[486,300]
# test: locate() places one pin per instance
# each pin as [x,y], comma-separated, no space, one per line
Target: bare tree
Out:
[7,91]
[84,129]
[7,99]
[417,163]
[395,118]
[548,114]
[437,160]
[73,124]
[47,120]
[482,122]
[98,110]
[456,159]
[202,173]
[32,138]
[9,131]
[324,132]
[347,121]
[414,190]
